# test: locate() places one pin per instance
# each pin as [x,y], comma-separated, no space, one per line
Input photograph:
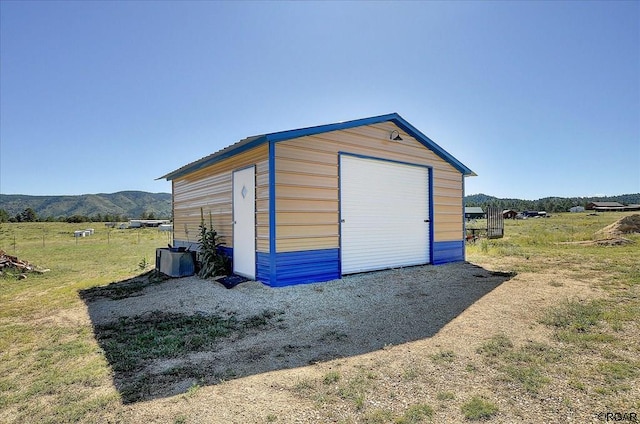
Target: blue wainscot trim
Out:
[308,266]
[301,267]
[447,251]
[228,251]
[263,267]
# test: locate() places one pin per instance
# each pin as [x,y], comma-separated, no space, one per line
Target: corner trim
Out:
[272,213]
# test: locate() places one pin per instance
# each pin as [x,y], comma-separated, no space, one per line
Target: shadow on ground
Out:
[162,336]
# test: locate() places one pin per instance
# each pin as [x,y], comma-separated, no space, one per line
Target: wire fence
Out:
[17,236]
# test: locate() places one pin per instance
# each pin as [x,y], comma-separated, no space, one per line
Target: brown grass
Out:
[560,341]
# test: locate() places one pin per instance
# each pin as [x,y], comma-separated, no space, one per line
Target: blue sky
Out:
[538,98]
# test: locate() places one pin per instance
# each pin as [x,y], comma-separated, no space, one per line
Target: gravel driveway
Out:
[313,322]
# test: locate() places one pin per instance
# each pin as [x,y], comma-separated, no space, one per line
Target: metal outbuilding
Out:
[474,212]
[605,206]
[509,214]
[316,203]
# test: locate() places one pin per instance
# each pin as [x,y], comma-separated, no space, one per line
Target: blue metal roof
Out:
[251,142]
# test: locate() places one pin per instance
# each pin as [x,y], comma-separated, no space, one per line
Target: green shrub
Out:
[213,262]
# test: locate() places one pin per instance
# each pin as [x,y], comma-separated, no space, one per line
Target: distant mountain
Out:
[549,204]
[130,204]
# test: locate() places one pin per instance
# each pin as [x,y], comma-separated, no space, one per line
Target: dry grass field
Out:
[557,342]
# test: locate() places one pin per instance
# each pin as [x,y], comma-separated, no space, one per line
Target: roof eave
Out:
[225,153]
[302,132]
[393,117]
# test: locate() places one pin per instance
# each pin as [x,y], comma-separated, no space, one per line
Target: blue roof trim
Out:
[227,152]
[432,145]
[252,142]
[302,132]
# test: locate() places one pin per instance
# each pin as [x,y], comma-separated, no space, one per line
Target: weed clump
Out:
[331,377]
[443,357]
[574,315]
[495,346]
[479,409]
[580,323]
[416,414]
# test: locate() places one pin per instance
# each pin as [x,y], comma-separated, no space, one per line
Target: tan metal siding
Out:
[210,189]
[307,184]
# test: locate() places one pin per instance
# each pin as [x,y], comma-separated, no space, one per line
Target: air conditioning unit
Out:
[175,263]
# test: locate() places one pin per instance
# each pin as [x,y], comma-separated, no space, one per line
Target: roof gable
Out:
[254,141]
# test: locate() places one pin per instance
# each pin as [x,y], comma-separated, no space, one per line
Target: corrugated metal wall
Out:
[307,202]
[307,184]
[210,189]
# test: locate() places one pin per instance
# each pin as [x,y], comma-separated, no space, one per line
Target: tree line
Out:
[548,204]
[29,215]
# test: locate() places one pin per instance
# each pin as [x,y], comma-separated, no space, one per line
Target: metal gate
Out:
[495,223]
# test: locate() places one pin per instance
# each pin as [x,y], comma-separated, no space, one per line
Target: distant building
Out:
[138,223]
[509,214]
[532,214]
[165,227]
[605,206]
[473,212]
[577,209]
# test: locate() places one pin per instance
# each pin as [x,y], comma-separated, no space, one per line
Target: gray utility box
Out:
[175,263]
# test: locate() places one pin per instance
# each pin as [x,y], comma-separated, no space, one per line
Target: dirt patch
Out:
[124,289]
[616,241]
[269,329]
[626,225]
[355,388]
[611,235]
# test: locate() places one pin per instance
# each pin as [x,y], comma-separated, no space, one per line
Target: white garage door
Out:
[384,211]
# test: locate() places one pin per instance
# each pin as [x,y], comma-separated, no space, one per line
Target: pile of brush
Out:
[8,262]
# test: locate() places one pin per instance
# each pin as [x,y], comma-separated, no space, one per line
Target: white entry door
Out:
[384,211]
[244,222]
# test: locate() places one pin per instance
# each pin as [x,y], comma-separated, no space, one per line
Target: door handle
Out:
[426,220]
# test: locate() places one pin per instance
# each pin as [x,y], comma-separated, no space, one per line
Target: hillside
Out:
[136,204]
[549,204]
[131,204]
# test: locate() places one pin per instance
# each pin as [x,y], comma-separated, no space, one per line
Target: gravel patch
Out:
[311,323]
